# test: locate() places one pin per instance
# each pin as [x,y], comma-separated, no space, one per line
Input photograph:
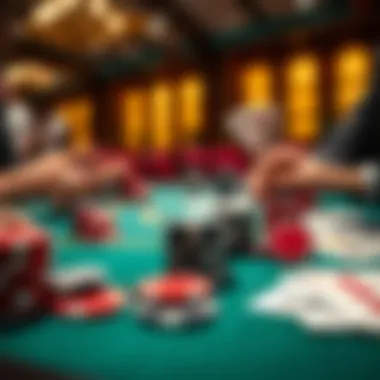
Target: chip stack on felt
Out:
[24,261]
[82,293]
[286,236]
[176,300]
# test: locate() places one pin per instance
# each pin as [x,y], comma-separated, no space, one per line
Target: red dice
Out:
[92,224]
[24,263]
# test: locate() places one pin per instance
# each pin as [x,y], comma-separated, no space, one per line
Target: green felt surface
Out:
[238,345]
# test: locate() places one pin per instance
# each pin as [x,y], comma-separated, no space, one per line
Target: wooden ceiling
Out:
[71,38]
[83,27]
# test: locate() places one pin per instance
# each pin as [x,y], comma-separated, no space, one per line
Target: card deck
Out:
[326,301]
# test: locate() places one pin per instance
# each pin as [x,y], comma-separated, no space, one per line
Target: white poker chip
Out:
[69,279]
[178,317]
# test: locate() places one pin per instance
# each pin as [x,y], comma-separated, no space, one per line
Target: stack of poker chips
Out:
[241,223]
[175,300]
[24,259]
[287,238]
[83,293]
[199,248]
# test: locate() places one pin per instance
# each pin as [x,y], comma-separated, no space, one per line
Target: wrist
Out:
[370,178]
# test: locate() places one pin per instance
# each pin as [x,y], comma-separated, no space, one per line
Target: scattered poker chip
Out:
[76,280]
[83,293]
[176,300]
[97,304]
[93,224]
[134,187]
[24,259]
[289,242]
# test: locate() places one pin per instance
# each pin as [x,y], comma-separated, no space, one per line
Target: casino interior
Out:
[140,278]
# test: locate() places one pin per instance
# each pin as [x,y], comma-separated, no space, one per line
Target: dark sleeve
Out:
[66,137]
[63,139]
[7,157]
[358,138]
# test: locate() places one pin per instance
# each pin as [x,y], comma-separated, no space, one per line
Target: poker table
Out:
[238,344]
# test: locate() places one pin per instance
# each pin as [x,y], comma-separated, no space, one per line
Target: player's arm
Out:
[346,161]
[319,174]
[37,175]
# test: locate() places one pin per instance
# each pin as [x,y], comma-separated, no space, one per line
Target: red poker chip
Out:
[289,242]
[103,303]
[135,188]
[23,238]
[94,224]
[175,289]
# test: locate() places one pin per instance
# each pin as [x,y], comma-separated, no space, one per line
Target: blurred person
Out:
[17,121]
[348,160]
[64,175]
[51,132]
[255,128]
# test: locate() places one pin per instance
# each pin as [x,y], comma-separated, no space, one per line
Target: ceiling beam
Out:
[183,22]
[36,50]
[15,8]
[253,9]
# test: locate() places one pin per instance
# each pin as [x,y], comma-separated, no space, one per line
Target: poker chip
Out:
[289,242]
[134,187]
[24,258]
[175,300]
[76,280]
[175,289]
[93,224]
[97,304]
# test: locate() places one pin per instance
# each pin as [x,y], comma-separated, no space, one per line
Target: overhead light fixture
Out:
[98,7]
[305,5]
[116,24]
[156,27]
[50,11]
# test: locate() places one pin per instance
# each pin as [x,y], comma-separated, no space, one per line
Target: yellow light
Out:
[257,85]
[303,106]
[192,98]
[161,98]
[352,71]
[133,117]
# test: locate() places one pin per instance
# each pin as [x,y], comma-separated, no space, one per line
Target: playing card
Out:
[325,301]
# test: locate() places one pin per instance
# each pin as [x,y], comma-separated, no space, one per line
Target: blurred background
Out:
[151,80]
[159,75]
